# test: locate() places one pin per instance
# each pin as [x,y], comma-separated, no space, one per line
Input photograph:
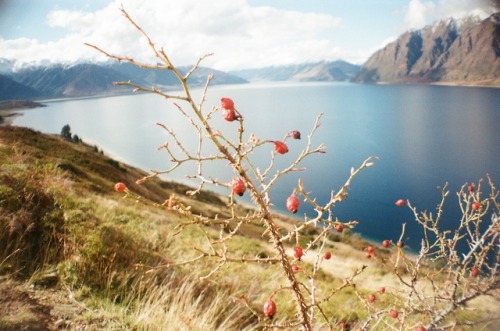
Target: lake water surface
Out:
[424,137]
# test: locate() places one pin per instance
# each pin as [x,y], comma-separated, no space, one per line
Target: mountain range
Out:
[318,71]
[451,52]
[10,89]
[88,79]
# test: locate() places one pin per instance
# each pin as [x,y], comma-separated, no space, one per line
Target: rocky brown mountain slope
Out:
[465,52]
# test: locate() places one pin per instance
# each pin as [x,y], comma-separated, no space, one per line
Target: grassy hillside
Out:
[62,223]
[74,254]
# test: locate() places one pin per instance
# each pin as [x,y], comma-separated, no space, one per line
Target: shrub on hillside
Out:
[429,294]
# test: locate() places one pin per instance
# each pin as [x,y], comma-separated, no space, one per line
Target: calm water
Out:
[424,136]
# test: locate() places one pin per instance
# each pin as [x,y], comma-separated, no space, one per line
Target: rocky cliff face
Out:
[466,52]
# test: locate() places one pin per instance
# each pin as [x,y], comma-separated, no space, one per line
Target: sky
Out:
[241,34]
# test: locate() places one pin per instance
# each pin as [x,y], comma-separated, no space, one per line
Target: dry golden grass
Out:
[111,253]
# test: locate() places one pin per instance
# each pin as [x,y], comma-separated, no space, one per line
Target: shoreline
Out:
[481,84]
[8,117]
[94,96]
[9,109]
[447,84]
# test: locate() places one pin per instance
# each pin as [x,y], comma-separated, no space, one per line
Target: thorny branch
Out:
[438,247]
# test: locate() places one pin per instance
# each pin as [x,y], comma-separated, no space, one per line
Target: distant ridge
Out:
[90,79]
[451,51]
[318,71]
[69,81]
[10,89]
[150,77]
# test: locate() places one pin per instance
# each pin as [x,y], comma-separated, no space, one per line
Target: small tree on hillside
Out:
[66,132]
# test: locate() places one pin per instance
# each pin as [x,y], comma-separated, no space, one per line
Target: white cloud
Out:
[420,13]
[238,34]
[462,8]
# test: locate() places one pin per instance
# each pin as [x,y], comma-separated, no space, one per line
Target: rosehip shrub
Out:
[310,300]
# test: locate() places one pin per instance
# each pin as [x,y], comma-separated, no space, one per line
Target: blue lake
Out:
[424,136]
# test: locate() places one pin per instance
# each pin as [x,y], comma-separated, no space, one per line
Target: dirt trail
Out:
[25,307]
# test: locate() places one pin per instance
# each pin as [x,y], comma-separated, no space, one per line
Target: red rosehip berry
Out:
[269,308]
[295,268]
[474,272]
[400,244]
[229,115]
[298,252]
[327,256]
[370,249]
[400,203]
[386,243]
[372,298]
[292,203]
[394,313]
[280,147]
[227,103]
[341,325]
[238,186]
[421,328]
[120,187]
[368,255]
[339,228]
[294,134]
[471,188]
[476,205]
[381,290]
